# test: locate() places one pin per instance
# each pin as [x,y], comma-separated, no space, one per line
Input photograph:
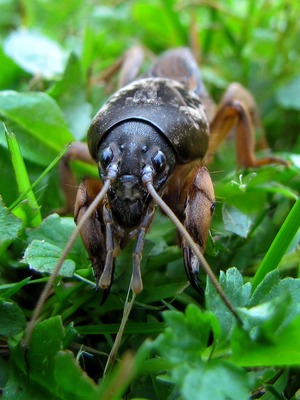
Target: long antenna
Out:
[148,182]
[45,293]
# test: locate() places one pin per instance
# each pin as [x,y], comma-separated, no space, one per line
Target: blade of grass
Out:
[246,33]
[114,385]
[29,211]
[279,245]
[209,34]
[38,180]
[114,351]
[134,328]
[174,18]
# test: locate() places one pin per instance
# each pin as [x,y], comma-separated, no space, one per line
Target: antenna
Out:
[31,324]
[147,179]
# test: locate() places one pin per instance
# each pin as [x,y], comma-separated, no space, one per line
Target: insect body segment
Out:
[153,129]
[162,103]
[150,141]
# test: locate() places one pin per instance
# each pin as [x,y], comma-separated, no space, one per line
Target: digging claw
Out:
[136,283]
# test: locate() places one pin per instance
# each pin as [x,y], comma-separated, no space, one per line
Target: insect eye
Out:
[106,157]
[159,161]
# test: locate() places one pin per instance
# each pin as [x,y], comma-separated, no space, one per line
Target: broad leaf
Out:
[186,335]
[212,380]
[236,221]
[272,287]
[288,95]
[48,242]
[35,53]
[10,225]
[37,122]
[56,231]
[43,257]
[269,347]
[70,94]
[183,345]
[12,319]
[237,292]
[53,372]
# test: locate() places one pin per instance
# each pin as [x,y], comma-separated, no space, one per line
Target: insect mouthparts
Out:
[128,187]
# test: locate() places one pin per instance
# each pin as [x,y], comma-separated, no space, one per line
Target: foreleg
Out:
[191,196]
[96,235]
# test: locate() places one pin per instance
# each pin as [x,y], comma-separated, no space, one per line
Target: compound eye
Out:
[106,157]
[159,161]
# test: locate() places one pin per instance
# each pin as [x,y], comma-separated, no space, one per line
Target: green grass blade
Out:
[280,244]
[142,328]
[38,180]
[29,210]
[174,18]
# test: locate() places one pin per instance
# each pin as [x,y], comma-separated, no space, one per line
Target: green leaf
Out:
[28,210]
[216,380]
[264,320]
[183,345]
[262,292]
[272,287]
[271,345]
[52,18]
[275,390]
[131,328]
[271,326]
[41,358]
[56,231]
[70,94]
[186,335]
[236,221]
[3,372]
[54,373]
[35,53]
[114,385]
[43,257]
[288,95]
[38,123]
[9,70]
[12,319]
[237,292]
[10,225]
[39,179]
[10,289]
[148,16]
[280,244]
[47,243]
[71,381]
